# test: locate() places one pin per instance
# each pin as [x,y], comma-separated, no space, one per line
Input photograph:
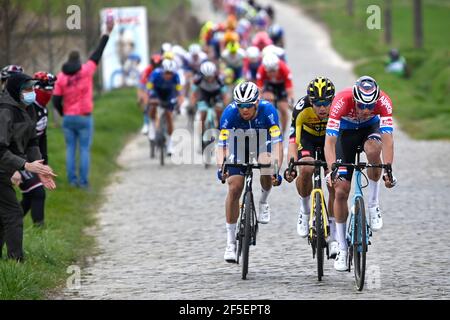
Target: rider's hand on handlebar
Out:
[331,177]
[290,176]
[389,183]
[222,177]
[276,180]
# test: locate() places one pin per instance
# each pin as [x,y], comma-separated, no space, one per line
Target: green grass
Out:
[50,251]
[420,102]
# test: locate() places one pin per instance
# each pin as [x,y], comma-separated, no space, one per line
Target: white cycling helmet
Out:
[169,66]
[246,92]
[195,49]
[253,52]
[271,62]
[166,46]
[208,69]
[366,90]
[179,50]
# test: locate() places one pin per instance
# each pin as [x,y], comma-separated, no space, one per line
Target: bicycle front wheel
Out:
[320,235]
[360,243]
[248,209]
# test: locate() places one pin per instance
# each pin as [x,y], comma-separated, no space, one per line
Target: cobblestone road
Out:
[161,232]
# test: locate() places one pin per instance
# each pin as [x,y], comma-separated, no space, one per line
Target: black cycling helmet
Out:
[9,70]
[321,89]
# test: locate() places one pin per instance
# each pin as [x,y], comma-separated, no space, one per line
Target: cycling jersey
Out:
[144,77]
[160,88]
[343,114]
[209,91]
[266,120]
[282,77]
[192,63]
[234,60]
[304,119]
[251,69]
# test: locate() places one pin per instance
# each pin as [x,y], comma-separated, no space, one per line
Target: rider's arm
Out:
[260,77]
[330,150]
[386,127]
[294,136]
[332,131]
[387,141]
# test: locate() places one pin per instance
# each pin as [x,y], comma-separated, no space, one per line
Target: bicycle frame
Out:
[357,194]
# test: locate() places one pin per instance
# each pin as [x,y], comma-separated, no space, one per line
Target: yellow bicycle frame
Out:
[323,210]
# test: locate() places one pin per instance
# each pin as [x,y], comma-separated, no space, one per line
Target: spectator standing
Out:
[73,98]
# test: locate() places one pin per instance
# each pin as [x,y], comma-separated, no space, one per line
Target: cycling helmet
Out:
[366,90]
[169,66]
[179,51]
[271,62]
[44,80]
[168,55]
[321,90]
[253,52]
[10,69]
[275,31]
[156,59]
[246,92]
[195,49]
[166,46]
[208,69]
[233,46]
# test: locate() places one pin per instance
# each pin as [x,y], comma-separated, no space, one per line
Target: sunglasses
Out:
[321,103]
[363,106]
[246,105]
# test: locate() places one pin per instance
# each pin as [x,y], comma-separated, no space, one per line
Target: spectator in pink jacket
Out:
[73,98]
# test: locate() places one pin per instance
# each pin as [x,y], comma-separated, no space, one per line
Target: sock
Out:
[332,222]
[305,204]
[264,195]
[374,190]
[231,233]
[340,231]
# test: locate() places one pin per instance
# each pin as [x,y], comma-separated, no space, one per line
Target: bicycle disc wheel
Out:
[360,243]
[246,237]
[320,235]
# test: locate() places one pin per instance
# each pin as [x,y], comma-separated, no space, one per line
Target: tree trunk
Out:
[418,24]
[6,47]
[350,7]
[388,22]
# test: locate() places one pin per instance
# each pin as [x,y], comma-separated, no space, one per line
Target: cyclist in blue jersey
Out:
[164,89]
[247,116]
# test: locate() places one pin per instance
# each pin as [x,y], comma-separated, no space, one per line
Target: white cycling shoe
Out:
[303,224]
[333,249]
[376,220]
[341,262]
[230,253]
[264,213]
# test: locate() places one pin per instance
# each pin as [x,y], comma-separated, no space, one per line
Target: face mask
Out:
[29,98]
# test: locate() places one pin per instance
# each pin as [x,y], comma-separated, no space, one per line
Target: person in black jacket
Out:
[29,183]
[19,150]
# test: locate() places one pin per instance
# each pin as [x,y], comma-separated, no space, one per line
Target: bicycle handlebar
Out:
[252,166]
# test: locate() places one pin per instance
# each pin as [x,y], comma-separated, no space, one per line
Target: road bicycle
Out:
[319,228]
[358,230]
[247,228]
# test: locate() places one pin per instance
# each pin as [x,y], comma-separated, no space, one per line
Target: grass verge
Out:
[421,101]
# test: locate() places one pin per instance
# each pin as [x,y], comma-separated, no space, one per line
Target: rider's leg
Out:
[153,106]
[372,148]
[304,187]
[269,96]
[342,191]
[235,187]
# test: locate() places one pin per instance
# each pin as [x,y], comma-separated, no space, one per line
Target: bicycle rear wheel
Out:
[360,243]
[247,234]
[320,235]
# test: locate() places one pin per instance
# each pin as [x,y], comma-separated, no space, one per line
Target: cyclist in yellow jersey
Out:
[307,134]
